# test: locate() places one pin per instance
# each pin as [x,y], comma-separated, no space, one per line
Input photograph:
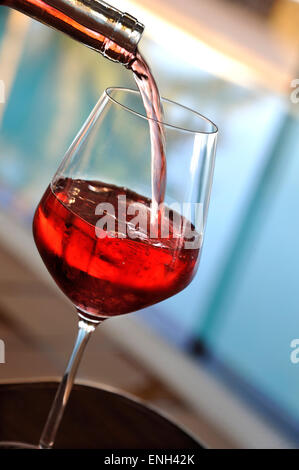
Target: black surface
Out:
[94,419]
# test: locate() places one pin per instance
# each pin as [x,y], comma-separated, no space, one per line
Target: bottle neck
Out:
[92,22]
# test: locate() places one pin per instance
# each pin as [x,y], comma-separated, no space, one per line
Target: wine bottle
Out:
[92,22]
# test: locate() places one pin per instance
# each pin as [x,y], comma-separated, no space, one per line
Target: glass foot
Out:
[16,445]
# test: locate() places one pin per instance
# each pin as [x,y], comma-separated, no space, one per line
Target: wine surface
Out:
[105,276]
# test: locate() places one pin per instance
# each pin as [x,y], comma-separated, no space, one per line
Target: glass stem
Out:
[62,395]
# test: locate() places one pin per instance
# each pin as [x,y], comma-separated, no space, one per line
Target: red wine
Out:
[107,276]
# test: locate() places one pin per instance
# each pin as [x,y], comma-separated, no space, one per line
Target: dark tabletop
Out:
[94,419]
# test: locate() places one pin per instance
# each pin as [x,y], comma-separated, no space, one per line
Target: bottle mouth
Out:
[128,31]
[119,27]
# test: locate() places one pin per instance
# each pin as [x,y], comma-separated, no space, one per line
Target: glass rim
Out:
[213,131]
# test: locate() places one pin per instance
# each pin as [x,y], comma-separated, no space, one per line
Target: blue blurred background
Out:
[241,312]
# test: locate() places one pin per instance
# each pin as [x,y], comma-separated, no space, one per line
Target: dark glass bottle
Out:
[92,22]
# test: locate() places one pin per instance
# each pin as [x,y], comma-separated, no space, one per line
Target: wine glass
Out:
[94,227]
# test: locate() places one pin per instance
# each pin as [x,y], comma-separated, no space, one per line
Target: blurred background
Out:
[216,357]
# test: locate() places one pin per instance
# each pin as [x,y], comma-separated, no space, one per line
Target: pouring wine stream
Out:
[154,112]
